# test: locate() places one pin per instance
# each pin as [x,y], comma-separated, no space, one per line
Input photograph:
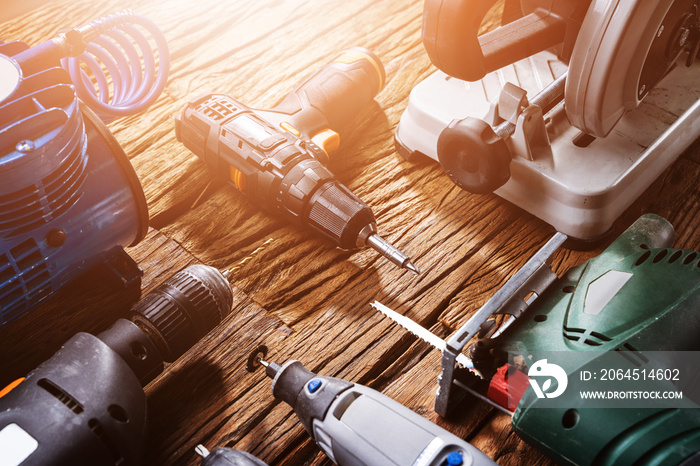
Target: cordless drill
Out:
[356,425]
[86,404]
[276,157]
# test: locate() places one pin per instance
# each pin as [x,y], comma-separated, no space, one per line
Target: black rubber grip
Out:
[289,384]
[336,93]
[474,157]
[450,36]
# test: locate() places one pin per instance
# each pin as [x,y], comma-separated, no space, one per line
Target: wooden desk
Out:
[302,297]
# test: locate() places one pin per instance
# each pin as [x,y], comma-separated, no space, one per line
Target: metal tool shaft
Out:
[546,99]
[387,250]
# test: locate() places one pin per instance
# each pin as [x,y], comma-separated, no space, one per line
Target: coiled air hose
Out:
[116,53]
[70,201]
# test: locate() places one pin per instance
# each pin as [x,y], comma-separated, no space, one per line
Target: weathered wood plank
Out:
[208,396]
[306,299]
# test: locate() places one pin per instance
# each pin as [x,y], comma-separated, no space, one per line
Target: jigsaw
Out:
[637,298]
[570,111]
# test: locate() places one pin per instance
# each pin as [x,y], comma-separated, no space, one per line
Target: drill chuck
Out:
[184,309]
[339,215]
[86,403]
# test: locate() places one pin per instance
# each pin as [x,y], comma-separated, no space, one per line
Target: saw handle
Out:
[450,36]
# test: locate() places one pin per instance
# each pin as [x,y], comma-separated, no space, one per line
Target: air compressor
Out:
[70,200]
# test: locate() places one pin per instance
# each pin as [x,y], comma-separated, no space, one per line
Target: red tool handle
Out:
[450,36]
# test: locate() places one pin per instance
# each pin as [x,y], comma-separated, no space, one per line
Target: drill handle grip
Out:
[334,95]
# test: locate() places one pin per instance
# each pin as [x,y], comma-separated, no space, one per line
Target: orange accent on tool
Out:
[237,177]
[328,140]
[10,387]
[288,127]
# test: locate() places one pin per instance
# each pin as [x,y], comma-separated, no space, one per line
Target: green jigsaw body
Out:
[635,296]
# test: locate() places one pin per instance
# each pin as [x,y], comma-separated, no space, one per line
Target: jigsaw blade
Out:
[421,332]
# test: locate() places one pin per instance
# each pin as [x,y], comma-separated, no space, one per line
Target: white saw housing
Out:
[577,183]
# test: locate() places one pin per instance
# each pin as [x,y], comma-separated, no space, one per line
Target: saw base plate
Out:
[584,184]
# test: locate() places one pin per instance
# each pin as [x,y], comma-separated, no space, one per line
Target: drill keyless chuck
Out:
[184,309]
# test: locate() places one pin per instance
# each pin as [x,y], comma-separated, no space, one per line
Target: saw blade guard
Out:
[623,49]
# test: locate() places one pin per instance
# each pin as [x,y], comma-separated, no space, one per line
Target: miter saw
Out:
[570,111]
[624,322]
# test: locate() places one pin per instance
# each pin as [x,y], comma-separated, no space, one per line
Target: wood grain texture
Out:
[301,296]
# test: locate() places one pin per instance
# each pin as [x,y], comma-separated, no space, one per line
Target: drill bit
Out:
[228,273]
[387,250]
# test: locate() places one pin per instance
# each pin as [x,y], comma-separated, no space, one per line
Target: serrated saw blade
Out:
[421,332]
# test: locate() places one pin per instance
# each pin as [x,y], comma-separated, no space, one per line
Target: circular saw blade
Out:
[623,49]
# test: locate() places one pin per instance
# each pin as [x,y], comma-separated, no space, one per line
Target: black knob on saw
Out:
[184,309]
[474,157]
